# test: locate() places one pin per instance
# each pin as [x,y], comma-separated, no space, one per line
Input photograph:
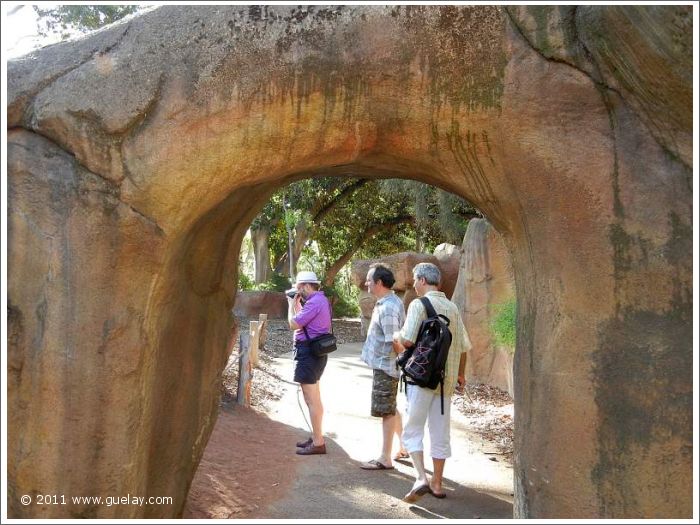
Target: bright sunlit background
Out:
[19,31]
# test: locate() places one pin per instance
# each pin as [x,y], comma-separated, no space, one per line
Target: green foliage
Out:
[451,215]
[292,218]
[440,216]
[344,304]
[68,19]
[311,261]
[245,282]
[503,323]
[346,228]
[347,293]
[276,283]
[335,219]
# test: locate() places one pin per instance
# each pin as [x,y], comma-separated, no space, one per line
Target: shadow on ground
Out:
[250,469]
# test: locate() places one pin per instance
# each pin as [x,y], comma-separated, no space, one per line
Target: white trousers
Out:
[424,405]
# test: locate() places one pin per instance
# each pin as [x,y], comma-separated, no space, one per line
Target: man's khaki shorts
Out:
[384,388]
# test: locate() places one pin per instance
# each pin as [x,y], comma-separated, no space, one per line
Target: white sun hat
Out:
[307,277]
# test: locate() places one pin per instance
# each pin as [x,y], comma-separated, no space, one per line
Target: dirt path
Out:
[250,470]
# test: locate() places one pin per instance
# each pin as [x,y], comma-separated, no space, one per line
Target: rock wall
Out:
[401,264]
[139,155]
[485,281]
[253,303]
[449,257]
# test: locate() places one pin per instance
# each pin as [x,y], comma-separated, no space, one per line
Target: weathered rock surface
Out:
[253,303]
[449,257]
[485,281]
[138,156]
[401,265]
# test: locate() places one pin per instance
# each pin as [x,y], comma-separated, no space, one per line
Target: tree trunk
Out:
[334,268]
[261,249]
[302,233]
[281,264]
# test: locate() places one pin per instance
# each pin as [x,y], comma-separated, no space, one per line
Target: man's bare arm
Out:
[399,344]
[461,380]
[294,305]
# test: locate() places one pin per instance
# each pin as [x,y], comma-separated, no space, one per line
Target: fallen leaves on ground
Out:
[490,413]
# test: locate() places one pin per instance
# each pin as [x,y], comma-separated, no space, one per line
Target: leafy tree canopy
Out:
[67,20]
[353,217]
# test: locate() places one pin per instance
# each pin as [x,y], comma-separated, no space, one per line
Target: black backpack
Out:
[424,363]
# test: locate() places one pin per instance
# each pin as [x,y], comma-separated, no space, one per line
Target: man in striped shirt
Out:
[423,403]
[387,317]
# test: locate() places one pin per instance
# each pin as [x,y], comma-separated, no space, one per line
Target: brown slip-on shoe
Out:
[302,444]
[312,449]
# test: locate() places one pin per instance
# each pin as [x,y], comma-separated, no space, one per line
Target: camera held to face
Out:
[292,293]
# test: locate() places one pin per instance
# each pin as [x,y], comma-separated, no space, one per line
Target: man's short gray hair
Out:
[427,271]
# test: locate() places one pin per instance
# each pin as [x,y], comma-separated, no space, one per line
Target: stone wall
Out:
[485,281]
[253,303]
[446,258]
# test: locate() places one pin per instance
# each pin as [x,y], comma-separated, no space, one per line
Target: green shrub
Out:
[502,324]
[344,305]
[276,283]
[245,282]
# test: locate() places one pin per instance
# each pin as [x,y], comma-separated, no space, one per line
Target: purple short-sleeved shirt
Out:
[315,315]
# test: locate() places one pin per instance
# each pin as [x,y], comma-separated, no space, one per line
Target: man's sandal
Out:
[438,495]
[416,493]
[373,464]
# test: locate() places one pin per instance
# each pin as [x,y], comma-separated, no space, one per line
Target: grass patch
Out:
[502,324]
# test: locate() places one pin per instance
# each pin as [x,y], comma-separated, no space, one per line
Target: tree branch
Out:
[318,215]
[370,231]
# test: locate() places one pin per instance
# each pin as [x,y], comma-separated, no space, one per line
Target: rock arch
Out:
[138,156]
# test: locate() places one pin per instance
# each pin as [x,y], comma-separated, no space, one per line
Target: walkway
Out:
[333,486]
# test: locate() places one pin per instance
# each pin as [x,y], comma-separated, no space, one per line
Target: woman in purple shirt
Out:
[308,320]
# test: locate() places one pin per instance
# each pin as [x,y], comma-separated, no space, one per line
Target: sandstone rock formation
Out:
[253,303]
[138,156]
[485,281]
[401,264]
[449,257]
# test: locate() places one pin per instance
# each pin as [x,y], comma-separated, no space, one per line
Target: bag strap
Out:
[330,311]
[442,398]
[428,307]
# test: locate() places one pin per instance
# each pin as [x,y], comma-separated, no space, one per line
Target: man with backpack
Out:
[431,403]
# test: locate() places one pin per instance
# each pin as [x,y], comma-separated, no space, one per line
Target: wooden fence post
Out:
[250,342]
[245,371]
[262,320]
[254,343]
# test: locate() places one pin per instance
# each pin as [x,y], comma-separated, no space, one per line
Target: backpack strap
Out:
[429,310]
[442,406]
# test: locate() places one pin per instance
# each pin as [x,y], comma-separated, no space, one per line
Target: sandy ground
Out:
[250,470]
